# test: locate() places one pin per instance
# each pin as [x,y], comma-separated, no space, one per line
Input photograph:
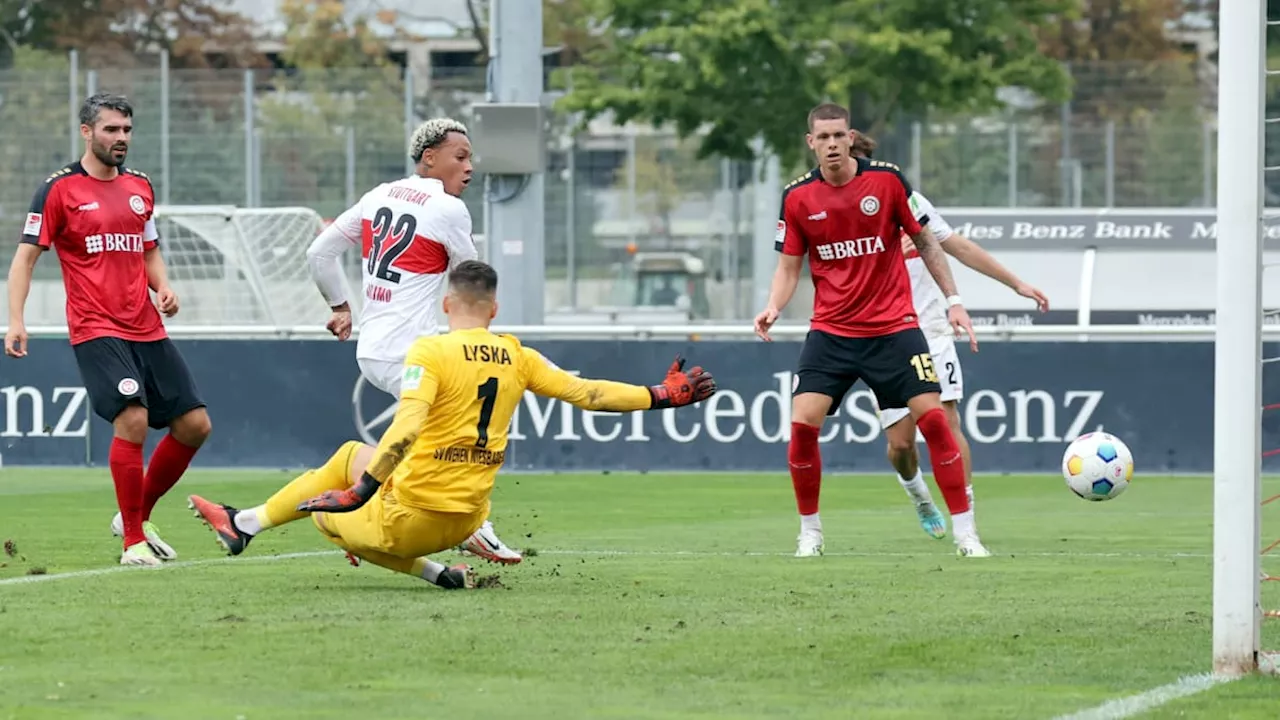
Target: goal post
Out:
[241,266]
[1237,447]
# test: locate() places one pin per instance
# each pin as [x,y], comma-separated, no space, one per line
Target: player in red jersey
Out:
[848,216]
[98,215]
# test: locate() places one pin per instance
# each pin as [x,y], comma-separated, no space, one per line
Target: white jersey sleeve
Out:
[931,306]
[928,216]
[412,232]
[458,238]
[322,256]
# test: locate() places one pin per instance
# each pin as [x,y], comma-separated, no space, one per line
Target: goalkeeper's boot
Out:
[221,519]
[809,543]
[485,543]
[931,520]
[162,549]
[971,546]
[458,577]
[139,554]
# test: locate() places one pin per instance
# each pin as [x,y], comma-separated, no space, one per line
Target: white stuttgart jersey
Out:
[410,233]
[931,305]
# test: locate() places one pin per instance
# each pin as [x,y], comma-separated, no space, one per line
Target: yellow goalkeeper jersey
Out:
[473,381]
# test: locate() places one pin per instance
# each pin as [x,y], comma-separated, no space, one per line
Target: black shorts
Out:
[119,372]
[896,367]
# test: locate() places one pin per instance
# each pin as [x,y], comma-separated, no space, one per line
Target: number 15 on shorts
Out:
[923,363]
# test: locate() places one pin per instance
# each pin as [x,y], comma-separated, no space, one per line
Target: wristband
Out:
[954,300]
[659,398]
[367,487]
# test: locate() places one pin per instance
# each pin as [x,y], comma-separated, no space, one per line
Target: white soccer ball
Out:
[1097,466]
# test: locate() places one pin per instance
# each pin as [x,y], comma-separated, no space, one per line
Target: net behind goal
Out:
[241,266]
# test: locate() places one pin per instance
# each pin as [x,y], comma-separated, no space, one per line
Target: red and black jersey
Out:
[100,229]
[852,235]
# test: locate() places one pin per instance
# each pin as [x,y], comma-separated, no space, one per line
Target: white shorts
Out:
[382,374]
[947,364]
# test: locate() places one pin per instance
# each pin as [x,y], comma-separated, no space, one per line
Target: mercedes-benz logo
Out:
[365,394]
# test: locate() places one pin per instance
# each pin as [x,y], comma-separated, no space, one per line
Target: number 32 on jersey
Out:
[390,238]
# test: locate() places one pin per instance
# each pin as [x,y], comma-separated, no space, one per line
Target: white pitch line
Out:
[1127,707]
[727,553]
[28,579]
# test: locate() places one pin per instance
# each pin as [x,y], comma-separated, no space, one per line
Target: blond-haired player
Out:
[426,486]
[410,232]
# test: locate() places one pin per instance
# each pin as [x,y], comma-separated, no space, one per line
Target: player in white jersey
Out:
[931,308]
[411,232]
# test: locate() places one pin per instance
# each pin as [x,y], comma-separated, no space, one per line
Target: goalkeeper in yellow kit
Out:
[426,486]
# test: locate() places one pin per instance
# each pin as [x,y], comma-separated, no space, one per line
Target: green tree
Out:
[735,69]
[343,84]
[35,114]
[116,30]
[667,174]
[566,26]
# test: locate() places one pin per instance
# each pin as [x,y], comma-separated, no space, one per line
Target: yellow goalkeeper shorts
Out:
[385,525]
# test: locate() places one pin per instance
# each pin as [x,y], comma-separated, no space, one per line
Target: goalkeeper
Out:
[426,486]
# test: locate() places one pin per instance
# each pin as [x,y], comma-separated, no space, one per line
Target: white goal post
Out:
[241,266]
[1237,450]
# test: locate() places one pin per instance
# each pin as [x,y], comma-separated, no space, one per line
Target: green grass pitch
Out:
[649,596]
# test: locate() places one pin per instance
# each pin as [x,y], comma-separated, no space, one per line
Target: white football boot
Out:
[140,554]
[485,543]
[971,546]
[809,543]
[159,547]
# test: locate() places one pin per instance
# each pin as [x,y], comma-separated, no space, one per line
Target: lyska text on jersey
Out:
[487,354]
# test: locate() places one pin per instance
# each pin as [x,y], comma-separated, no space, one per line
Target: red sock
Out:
[125,460]
[168,462]
[944,455]
[805,461]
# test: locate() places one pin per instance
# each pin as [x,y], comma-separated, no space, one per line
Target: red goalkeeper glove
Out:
[681,388]
[340,501]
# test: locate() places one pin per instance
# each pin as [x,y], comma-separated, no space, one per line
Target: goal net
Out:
[241,266]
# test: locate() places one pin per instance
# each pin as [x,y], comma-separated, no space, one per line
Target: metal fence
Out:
[1133,135]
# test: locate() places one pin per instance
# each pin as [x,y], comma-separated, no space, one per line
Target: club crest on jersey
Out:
[870,205]
[137,204]
[127,386]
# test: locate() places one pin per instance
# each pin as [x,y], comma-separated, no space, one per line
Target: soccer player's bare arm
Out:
[792,247]
[935,259]
[20,272]
[158,279]
[43,223]
[974,256]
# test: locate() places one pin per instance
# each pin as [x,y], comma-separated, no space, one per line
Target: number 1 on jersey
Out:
[380,254]
[487,394]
